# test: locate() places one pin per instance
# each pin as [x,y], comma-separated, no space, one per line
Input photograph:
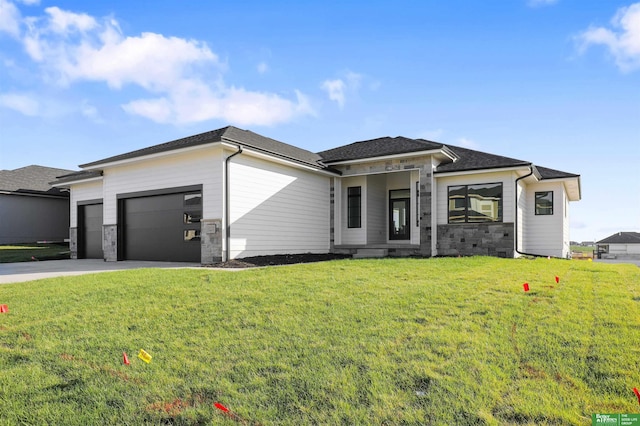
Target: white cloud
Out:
[538,3]
[623,41]
[335,89]
[24,104]
[467,143]
[263,67]
[184,78]
[349,84]
[9,18]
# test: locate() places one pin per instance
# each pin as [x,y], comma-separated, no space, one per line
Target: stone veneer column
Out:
[211,241]
[425,210]
[73,242]
[110,242]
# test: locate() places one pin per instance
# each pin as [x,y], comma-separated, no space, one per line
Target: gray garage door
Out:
[90,231]
[162,227]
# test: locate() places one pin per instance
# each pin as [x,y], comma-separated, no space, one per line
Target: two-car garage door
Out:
[163,227]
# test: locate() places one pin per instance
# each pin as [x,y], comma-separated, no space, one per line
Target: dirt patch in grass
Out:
[278,259]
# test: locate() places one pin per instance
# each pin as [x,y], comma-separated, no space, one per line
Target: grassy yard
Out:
[33,252]
[390,341]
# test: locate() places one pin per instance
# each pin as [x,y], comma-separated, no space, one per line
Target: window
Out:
[191,200]
[354,201]
[192,235]
[191,217]
[544,203]
[477,203]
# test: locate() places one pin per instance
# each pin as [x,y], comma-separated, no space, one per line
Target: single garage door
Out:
[162,227]
[90,231]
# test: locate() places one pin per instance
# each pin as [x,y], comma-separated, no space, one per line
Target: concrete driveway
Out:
[28,271]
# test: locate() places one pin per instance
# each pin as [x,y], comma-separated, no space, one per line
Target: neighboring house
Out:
[231,193]
[622,245]
[31,209]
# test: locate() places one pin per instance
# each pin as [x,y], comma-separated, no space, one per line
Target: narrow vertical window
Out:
[354,202]
[544,203]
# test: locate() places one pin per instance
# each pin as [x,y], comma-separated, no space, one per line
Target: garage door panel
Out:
[154,229]
[91,231]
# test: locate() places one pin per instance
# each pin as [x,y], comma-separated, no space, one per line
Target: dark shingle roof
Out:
[377,148]
[73,177]
[546,173]
[32,179]
[622,238]
[229,133]
[469,159]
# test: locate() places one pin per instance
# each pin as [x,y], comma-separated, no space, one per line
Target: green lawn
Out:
[33,252]
[390,341]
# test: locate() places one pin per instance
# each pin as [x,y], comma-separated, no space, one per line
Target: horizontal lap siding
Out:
[275,209]
[199,167]
[83,192]
[545,234]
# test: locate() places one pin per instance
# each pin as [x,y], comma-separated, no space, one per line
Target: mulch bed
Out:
[278,259]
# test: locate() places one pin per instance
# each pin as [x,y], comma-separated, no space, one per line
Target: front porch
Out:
[360,251]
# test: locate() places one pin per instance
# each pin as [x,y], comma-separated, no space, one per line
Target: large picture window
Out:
[544,203]
[476,203]
[354,209]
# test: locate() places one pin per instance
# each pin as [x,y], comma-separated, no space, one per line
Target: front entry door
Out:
[399,210]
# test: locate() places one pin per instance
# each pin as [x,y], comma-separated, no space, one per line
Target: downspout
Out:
[226,203]
[516,217]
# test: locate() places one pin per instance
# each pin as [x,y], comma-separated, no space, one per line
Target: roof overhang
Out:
[441,153]
[106,164]
[525,169]
[571,186]
[266,155]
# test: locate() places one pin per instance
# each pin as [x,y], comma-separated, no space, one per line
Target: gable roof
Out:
[465,159]
[379,147]
[231,134]
[32,180]
[622,238]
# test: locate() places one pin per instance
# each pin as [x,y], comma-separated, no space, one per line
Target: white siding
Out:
[82,192]
[196,167]
[508,196]
[354,235]
[276,209]
[546,234]
[523,217]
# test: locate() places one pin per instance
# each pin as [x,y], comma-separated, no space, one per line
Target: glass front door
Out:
[399,208]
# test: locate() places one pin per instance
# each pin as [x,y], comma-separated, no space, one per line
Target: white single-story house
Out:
[231,193]
[621,245]
[31,210]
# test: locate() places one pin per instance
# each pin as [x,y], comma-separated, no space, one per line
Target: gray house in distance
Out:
[231,193]
[31,209]
[621,245]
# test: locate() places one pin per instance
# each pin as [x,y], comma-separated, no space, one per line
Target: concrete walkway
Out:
[29,271]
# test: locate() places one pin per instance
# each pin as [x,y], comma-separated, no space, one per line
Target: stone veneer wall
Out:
[478,239]
[110,242]
[420,163]
[211,241]
[73,242]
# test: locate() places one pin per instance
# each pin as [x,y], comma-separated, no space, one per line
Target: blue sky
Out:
[556,83]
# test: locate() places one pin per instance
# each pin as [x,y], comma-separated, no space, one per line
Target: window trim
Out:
[354,212]
[500,218]
[535,201]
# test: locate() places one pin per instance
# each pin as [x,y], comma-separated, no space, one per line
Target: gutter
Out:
[226,203]
[531,172]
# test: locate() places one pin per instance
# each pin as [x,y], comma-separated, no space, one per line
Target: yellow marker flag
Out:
[143,355]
